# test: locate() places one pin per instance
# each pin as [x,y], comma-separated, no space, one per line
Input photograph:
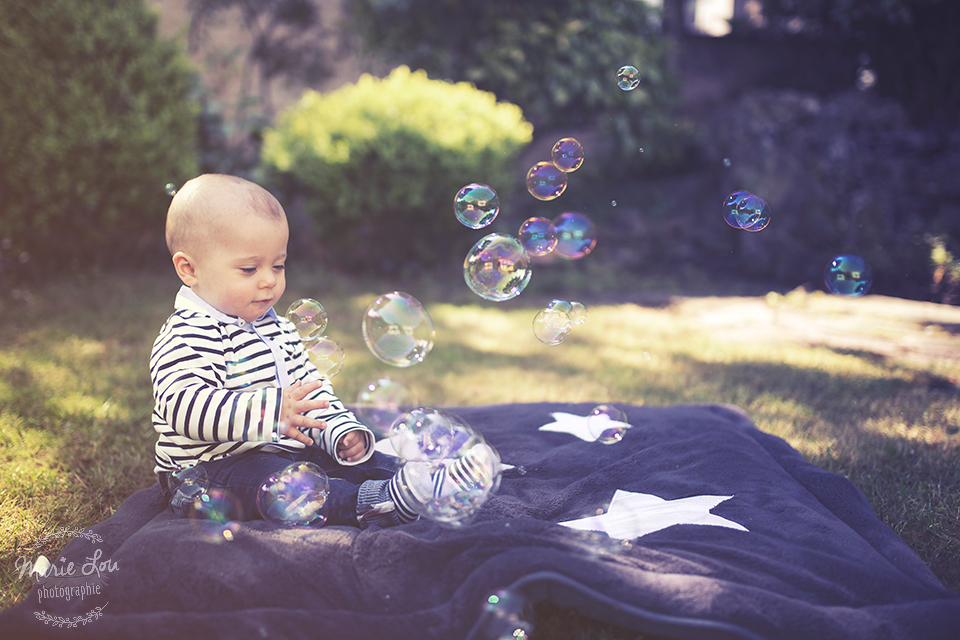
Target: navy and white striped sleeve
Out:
[188,370]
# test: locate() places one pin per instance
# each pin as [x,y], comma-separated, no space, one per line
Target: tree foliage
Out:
[94,120]
[557,60]
[375,165]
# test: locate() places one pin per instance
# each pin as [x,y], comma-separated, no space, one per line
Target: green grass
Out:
[75,399]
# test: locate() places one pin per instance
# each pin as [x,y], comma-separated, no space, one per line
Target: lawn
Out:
[75,397]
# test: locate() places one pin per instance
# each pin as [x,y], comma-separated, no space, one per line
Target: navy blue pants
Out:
[243,474]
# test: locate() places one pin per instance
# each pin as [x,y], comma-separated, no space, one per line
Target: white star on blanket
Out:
[632,515]
[580,425]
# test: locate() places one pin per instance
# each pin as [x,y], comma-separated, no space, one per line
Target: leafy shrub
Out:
[376,164]
[94,120]
[557,60]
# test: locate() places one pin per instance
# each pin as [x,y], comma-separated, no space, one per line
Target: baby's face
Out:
[241,272]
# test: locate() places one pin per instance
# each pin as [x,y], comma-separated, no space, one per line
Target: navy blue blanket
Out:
[695,525]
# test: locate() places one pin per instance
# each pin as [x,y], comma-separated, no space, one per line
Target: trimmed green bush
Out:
[94,121]
[375,165]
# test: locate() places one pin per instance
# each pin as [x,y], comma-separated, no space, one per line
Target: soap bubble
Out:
[294,496]
[309,317]
[551,326]
[743,210]
[398,330]
[189,483]
[538,236]
[216,514]
[576,235]
[508,616]
[567,154]
[449,468]
[476,205]
[497,268]
[425,434]
[727,163]
[628,78]
[848,276]
[326,354]
[170,188]
[381,401]
[560,305]
[577,313]
[607,424]
[545,181]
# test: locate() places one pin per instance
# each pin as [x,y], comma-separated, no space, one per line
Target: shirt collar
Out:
[190,301]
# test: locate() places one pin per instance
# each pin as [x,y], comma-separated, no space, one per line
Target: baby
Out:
[234,391]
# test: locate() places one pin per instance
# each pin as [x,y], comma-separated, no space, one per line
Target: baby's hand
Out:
[292,408]
[352,446]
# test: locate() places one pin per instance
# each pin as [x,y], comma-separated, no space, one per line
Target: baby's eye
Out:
[279,267]
[248,270]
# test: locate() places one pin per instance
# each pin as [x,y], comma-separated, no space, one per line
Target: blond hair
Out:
[210,200]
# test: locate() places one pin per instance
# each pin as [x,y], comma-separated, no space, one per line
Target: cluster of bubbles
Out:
[294,497]
[507,615]
[310,320]
[554,322]
[397,329]
[448,466]
[547,180]
[743,210]
[607,424]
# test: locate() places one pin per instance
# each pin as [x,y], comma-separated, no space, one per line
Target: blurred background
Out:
[842,114]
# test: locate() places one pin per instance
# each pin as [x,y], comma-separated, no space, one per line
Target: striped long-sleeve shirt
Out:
[217,385]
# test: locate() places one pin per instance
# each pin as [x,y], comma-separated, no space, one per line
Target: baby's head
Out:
[228,238]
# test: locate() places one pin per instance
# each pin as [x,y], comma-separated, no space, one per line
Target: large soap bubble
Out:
[309,317]
[545,181]
[295,496]
[538,236]
[497,268]
[848,276]
[326,354]
[576,235]
[476,205]
[381,401]
[216,515]
[743,210]
[607,423]
[426,434]
[551,326]
[398,330]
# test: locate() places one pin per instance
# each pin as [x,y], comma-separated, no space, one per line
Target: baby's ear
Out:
[185,268]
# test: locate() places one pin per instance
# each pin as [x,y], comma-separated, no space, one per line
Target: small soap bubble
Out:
[628,78]
[607,424]
[294,496]
[613,203]
[476,205]
[743,210]
[577,313]
[576,235]
[309,317]
[848,276]
[522,470]
[170,188]
[508,615]
[398,330]
[216,514]
[727,163]
[497,268]
[567,154]
[551,326]
[538,236]
[189,483]
[326,354]
[866,78]
[381,401]
[545,181]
